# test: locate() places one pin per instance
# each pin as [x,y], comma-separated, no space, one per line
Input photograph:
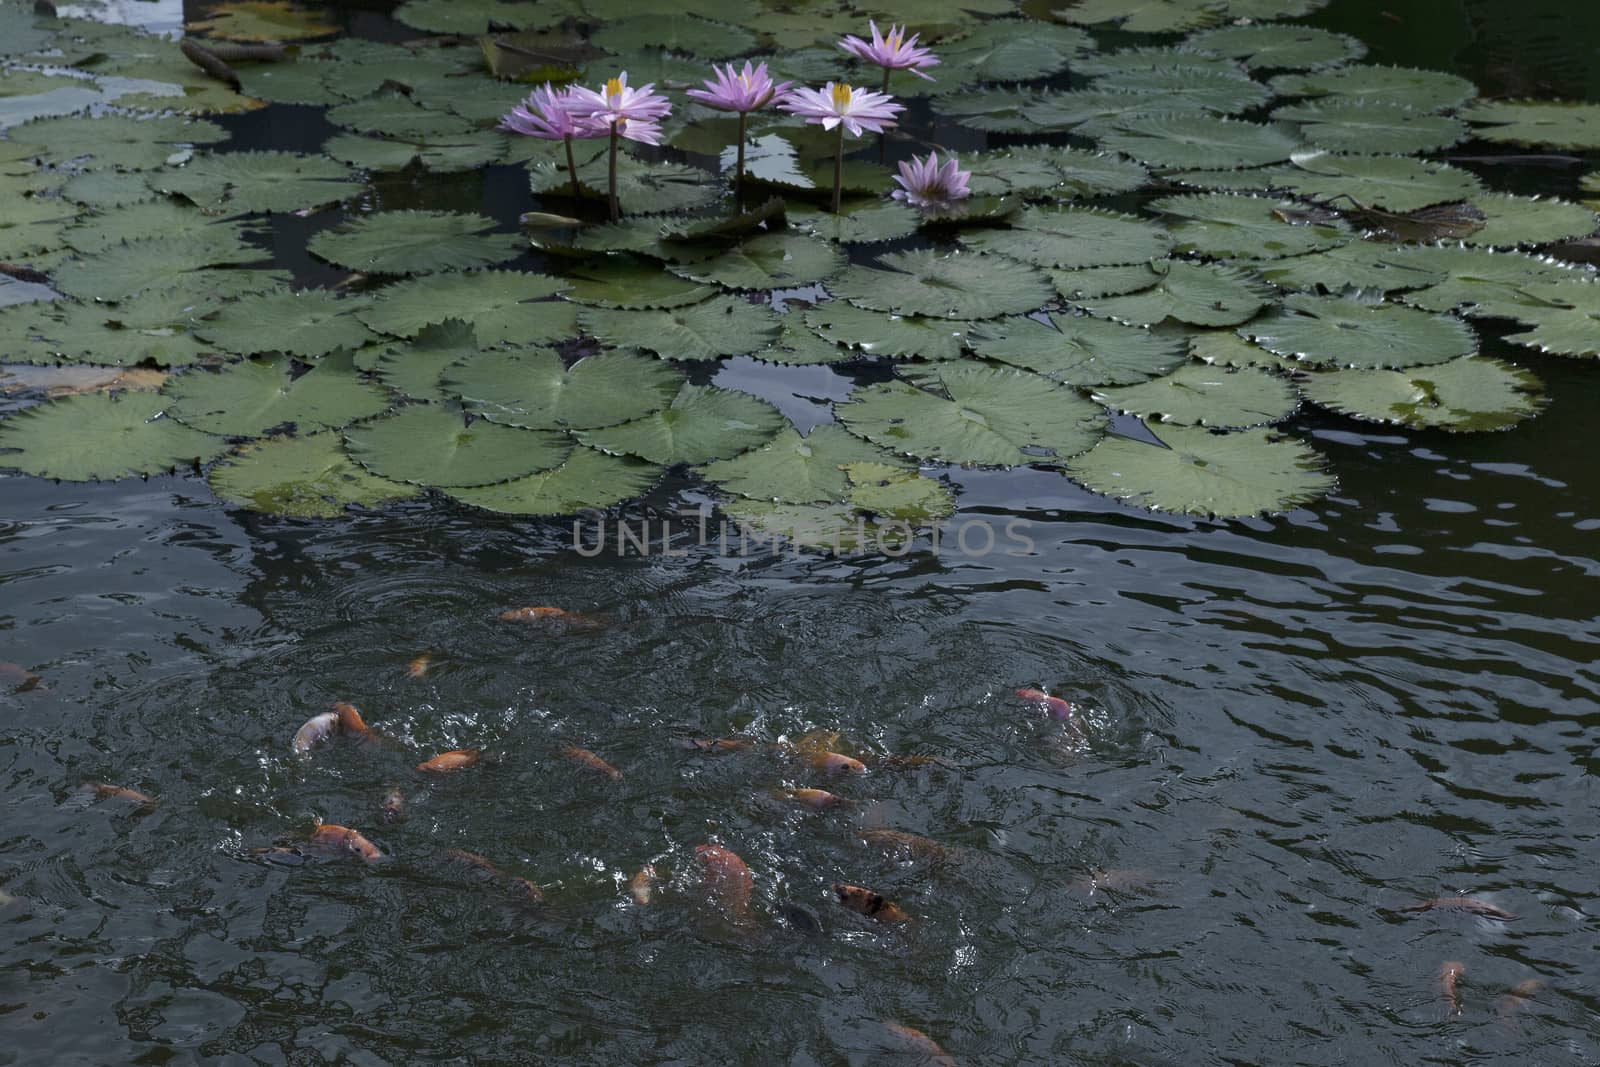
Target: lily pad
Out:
[642,188]
[414,242]
[306,323]
[159,262]
[992,110]
[248,399]
[113,141]
[1349,332]
[725,326]
[1357,265]
[1208,396]
[588,479]
[1079,350]
[1034,170]
[792,469]
[1529,220]
[1462,396]
[534,390]
[499,305]
[955,285]
[1199,141]
[878,334]
[1393,183]
[434,446]
[624,281]
[676,33]
[1199,294]
[978,415]
[1476,280]
[102,437]
[859,222]
[415,367]
[1226,225]
[896,494]
[97,233]
[1143,16]
[306,477]
[1422,90]
[1200,472]
[1565,316]
[1343,125]
[768,261]
[1280,47]
[702,424]
[1012,50]
[479,16]
[1224,92]
[1074,237]
[448,153]
[796,345]
[1224,348]
[265,20]
[259,181]
[1558,124]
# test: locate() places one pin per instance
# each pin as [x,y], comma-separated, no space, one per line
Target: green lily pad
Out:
[1224,92]
[796,345]
[102,437]
[442,154]
[838,528]
[1357,265]
[1074,237]
[534,390]
[1475,280]
[1199,294]
[1462,396]
[792,469]
[162,218]
[1199,141]
[1348,332]
[93,333]
[1394,183]
[895,494]
[1224,348]
[156,263]
[108,188]
[1558,124]
[499,305]
[265,20]
[1208,396]
[953,286]
[1344,125]
[1099,64]
[859,222]
[247,399]
[415,368]
[1529,220]
[1142,16]
[642,188]
[624,281]
[1094,112]
[306,477]
[113,141]
[415,242]
[724,326]
[992,110]
[588,479]
[434,446]
[1200,472]
[1278,47]
[479,16]
[676,33]
[979,415]
[1012,50]
[1226,225]
[1035,170]
[1565,316]
[259,181]
[1421,90]
[307,323]
[895,336]
[1079,350]
[702,424]
[768,261]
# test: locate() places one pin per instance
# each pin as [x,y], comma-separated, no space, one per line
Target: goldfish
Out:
[481,869]
[19,678]
[340,841]
[819,799]
[584,758]
[718,744]
[549,615]
[726,878]
[316,729]
[350,721]
[641,887]
[836,763]
[868,903]
[1450,972]
[419,666]
[916,1042]
[1514,999]
[1055,706]
[393,806]
[446,762]
[911,845]
[104,791]
[525,890]
[1467,904]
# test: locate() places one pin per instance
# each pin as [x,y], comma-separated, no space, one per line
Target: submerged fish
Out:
[915,1042]
[393,806]
[1450,972]
[641,887]
[588,760]
[911,845]
[550,615]
[1516,998]
[19,678]
[524,890]
[419,666]
[1124,880]
[316,729]
[480,869]
[727,879]
[338,842]
[718,744]
[1054,706]
[819,799]
[446,762]
[868,903]
[106,791]
[1468,904]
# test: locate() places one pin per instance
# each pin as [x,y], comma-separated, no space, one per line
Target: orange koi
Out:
[419,666]
[912,846]
[350,720]
[19,678]
[317,729]
[820,799]
[106,791]
[641,887]
[1515,999]
[1468,904]
[1055,706]
[447,762]
[726,878]
[588,760]
[341,841]
[1450,972]
[868,903]
[920,1044]
[549,615]
[525,891]
[836,763]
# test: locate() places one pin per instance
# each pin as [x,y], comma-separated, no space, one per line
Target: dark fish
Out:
[477,868]
[1468,904]
[104,791]
[448,762]
[1450,972]
[868,903]
[801,918]
[525,891]
[549,615]
[589,761]
[727,879]
[393,806]
[718,744]
[910,845]
[19,678]
[917,1043]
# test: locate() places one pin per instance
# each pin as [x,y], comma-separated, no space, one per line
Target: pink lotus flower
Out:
[835,104]
[927,183]
[628,112]
[742,92]
[547,113]
[894,52]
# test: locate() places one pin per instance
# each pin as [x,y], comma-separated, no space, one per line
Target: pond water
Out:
[1294,729]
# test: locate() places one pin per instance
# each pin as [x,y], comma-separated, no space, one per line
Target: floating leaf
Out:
[986,415]
[1422,90]
[588,479]
[951,286]
[443,154]
[1344,125]
[1528,220]
[1143,16]
[1199,294]
[1226,92]
[622,281]
[1097,64]
[159,262]
[1012,50]
[1347,332]
[1565,316]
[1559,124]
[1199,141]
[797,470]
[899,495]
[164,218]
[499,305]
[113,141]
[1224,225]
[306,323]
[534,390]
[676,33]
[102,437]
[1075,237]
[479,16]
[1079,350]
[434,446]
[394,114]
[1200,472]
[259,181]
[1280,47]
[867,222]
[1049,169]
[768,261]
[1224,348]
[107,189]
[1208,396]
[1462,396]
[265,20]
[652,188]
[247,399]
[834,527]
[1092,112]
[416,367]
[1357,265]
[878,334]
[1475,278]
[797,345]
[1391,182]
[308,477]
[993,110]
[702,424]
[725,326]
[414,242]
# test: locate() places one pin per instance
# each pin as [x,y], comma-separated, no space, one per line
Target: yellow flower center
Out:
[744,80]
[841,97]
[613,89]
[894,41]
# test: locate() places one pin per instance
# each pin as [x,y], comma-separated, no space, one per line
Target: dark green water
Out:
[1299,726]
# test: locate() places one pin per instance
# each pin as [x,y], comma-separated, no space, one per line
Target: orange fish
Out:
[868,903]
[419,666]
[350,720]
[1515,999]
[19,678]
[836,763]
[470,863]
[584,758]
[551,615]
[726,878]
[447,762]
[340,841]
[1055,706]
[641,887]
[819,799]
[1467,904]
[393,806]
[525,890]
[911,845]
[1450,972]
[917,1043]
[316,729]
[105,791]
[718,744]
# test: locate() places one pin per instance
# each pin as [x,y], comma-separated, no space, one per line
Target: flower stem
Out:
[738,170]
[572,169]
[883,138]
[611,181]
[838,170]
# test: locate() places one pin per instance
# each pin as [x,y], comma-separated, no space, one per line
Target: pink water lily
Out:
[619,110]
[744,92]
[893,52]
[851,110]
[927,183]
[548,114]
